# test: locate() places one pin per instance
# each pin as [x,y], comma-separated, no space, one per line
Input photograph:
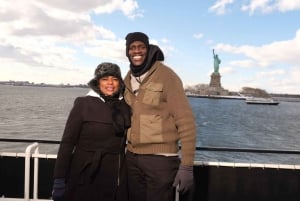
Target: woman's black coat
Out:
[91,155]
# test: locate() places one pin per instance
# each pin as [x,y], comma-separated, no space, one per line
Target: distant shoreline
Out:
[32,84]
[26,83]
[276,97]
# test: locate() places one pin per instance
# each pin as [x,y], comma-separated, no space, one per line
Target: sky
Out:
[63,41]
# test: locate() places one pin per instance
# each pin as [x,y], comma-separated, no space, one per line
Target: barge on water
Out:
[28,176]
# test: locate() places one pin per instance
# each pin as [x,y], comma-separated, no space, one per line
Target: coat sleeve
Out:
[69,140]
[183,116]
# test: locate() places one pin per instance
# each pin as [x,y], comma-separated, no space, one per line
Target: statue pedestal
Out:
[214,88]
[215,80]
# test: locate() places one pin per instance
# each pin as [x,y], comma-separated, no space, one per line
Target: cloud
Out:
[41,20]
[165,45]
[273,80]
[270,60]
[220,7]
[281,84]
[266,6]
[198,35]
[74,6]
[100,49]
[247,63]
[288,5]
[227,70]
[257,5]
[127,7]
[51,34]
[268,55]
[263,74]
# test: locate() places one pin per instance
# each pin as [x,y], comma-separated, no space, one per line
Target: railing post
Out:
[36,174]
[27,170]
[177,193]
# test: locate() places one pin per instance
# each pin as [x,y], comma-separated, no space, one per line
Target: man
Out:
[161,118]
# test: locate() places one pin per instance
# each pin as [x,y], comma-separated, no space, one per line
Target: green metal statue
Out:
[217,61]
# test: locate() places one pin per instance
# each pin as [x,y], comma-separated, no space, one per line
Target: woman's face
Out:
[109,85]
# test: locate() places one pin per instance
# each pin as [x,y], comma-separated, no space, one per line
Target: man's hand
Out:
[184,178]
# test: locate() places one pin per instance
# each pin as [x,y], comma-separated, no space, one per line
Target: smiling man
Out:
[161,118]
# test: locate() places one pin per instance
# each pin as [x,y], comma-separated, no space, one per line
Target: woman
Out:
[90,160]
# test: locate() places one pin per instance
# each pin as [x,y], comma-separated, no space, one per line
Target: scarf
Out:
[154,54]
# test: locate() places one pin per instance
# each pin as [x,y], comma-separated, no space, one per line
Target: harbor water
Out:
[28,112]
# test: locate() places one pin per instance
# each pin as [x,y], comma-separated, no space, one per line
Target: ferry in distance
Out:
[261,101]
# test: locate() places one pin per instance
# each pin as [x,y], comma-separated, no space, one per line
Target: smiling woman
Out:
[107,80]
[91,152]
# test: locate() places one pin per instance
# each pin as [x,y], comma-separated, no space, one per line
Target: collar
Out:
[95,94]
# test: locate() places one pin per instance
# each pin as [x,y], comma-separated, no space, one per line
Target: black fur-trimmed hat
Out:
[137,36]
[107,69]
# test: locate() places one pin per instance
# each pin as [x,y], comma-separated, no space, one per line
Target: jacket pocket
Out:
[151,129]
[153,92]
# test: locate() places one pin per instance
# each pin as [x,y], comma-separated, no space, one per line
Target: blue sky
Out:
[62,41]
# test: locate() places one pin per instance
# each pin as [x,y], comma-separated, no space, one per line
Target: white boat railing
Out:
[34,147]
[27,172]
[32,152]
[28,155]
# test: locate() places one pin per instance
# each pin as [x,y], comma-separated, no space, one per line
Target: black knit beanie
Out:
[136,36]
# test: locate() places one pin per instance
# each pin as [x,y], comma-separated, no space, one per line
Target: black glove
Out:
[184,178]
[58,189]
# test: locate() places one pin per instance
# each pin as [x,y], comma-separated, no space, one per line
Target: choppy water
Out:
[41,112]
[235,124]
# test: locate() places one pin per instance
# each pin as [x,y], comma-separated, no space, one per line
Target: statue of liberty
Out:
[217,61]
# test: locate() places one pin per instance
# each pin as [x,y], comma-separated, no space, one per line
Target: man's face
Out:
[137,52]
